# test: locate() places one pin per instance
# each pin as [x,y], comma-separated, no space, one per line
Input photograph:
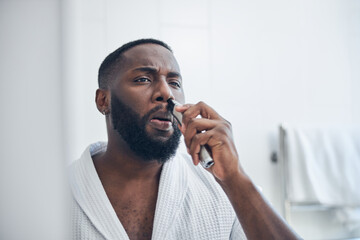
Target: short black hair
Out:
[109,66]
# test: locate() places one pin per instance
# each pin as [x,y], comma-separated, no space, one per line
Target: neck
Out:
[121,162]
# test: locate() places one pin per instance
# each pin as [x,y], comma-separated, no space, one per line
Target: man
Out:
[137,187]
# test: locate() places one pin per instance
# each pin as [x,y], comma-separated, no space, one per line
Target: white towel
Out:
[323,166]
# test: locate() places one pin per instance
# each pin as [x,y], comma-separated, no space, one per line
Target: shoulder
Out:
[199,178]
[204,205]
[84,163]
[203,188]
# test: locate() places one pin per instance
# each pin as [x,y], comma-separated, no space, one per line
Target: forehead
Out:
[149,54]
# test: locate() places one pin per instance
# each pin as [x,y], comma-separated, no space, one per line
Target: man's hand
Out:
[257,218]
[213,132]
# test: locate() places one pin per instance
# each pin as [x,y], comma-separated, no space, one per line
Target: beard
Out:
[132,128]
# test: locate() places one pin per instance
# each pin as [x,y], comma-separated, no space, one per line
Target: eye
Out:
[175,84]
[142,80]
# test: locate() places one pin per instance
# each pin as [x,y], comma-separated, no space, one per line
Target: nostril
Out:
[159,99]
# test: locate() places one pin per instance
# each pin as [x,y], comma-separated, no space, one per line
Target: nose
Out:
[162,91]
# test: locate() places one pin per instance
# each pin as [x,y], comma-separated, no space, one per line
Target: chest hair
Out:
[136,213]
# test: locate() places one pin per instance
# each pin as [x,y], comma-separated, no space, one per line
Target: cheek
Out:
[179,96]
[137,101]
[138,104]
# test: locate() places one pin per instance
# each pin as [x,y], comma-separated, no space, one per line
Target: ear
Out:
[102,100]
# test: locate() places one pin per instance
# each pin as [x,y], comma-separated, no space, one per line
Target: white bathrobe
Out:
[190,204]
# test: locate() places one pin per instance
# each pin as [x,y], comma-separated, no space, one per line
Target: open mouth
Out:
[162,121]
[162,116]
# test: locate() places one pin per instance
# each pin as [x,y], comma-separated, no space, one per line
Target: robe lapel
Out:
[172,192]
[91,197]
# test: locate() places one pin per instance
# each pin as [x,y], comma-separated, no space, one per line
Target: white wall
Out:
[259,63]
[32,184]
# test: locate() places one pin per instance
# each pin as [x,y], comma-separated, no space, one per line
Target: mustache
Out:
[154,110]
[146,117]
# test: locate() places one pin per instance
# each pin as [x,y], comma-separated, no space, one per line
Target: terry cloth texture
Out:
[324,165]
[190,204]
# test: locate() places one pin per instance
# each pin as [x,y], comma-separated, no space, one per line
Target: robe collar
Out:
[90,195]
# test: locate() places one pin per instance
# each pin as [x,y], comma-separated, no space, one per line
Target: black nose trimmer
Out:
[205,159]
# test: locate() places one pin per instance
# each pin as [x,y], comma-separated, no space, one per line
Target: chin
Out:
[159,135]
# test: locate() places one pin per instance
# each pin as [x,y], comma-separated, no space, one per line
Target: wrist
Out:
[235,180]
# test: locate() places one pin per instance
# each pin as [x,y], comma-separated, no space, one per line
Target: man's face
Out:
[148,77]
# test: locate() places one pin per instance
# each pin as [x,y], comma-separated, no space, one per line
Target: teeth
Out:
[162,119]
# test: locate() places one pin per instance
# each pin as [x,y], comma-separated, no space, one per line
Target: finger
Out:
[181,128]
[199,140]
[197,125]
[183,108]
[201,109]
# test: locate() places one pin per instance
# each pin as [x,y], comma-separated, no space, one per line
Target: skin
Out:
[132,184]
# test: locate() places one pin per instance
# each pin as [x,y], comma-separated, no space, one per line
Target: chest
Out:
[136,211]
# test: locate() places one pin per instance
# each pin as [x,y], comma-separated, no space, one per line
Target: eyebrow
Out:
[154,70]
[174,75]
[146,69]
